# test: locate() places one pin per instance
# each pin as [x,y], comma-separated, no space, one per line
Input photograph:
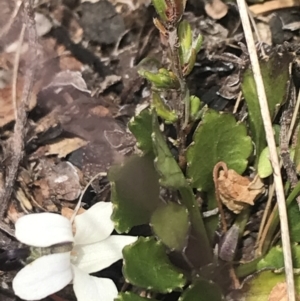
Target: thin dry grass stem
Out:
[272,148]
[5,29]
[264,221]
[15,71]
[100,174]
[250,14]
[237,103]
[261,236]
[17,146]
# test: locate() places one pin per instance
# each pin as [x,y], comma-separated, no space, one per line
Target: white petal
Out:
[94,224]
[100,255]
[91,288]
[43,229]
[43,277]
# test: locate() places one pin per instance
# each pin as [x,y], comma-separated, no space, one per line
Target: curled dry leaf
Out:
[234,190]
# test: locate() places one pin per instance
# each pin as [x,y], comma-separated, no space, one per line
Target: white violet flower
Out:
[91,249]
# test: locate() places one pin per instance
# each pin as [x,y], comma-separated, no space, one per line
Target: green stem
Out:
[189,201]
[247,268]
[242,220]
[173,42]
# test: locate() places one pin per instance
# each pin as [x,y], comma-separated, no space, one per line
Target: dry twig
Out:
[286,130]
[272,147]
[17,146]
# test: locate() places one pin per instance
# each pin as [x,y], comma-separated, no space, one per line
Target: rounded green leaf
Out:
[134,192]
[141,128]
[264,168]
[202,290]
[146,265]
[218,138]
[259,286]
[274,259]
[170,223]
[129,296]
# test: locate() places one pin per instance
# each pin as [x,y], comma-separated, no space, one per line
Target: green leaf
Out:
[172,176]
[200,234]
[135,192]
[146,265]
[264,168]
[162,109]
[202,290]
[217,138]
[276,131]
[197,43]
[129,296]
[160,7]
[274,259]
[141,128]
[170,172]
[149,64]
[161,79]
[185,39]
[275,73]
[188,48]
[195,104]
[294,225]
[170,222]
[191,63]
[259,286]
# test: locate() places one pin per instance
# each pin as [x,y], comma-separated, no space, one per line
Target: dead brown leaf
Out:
[236,191]
[7,113]
[12,214]
[68,62]
[100,111]
[61,148]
